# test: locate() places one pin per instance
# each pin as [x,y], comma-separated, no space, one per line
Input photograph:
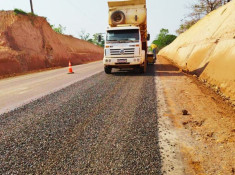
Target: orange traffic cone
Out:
[70,69]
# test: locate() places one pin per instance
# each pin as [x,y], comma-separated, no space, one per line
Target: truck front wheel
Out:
[108,70]
[143,68]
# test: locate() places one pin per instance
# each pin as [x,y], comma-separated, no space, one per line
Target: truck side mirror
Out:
[148,37]
[99,38]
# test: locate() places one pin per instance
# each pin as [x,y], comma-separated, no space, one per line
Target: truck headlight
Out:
[136,45]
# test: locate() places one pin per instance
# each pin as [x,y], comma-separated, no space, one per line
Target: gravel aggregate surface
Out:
[106,124]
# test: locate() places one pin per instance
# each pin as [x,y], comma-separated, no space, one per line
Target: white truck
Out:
[126,37]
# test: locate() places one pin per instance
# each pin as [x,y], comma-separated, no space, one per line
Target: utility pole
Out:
[31,4]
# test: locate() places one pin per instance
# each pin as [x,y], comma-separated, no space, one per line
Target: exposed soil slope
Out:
[208,50]
[28,43]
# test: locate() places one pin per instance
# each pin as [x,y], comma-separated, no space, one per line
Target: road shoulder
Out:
[203,139]
[21,90]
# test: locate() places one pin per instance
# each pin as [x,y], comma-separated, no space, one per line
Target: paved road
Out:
[105,124]
[20,90]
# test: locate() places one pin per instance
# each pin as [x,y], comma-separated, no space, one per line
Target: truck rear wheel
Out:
[108,70]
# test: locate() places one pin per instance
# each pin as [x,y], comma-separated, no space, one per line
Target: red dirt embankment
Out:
[28,43]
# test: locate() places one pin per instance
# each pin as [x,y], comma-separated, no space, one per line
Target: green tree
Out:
[95,40]
[60,29]
[163,39]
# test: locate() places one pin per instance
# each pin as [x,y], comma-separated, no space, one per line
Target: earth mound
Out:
[29,43]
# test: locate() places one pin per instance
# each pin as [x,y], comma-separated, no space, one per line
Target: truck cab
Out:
[123,48]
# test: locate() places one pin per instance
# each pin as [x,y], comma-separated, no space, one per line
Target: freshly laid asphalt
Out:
[105,124]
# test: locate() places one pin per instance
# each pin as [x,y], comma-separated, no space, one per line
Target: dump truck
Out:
[126,36]
[152,55]
[151,58]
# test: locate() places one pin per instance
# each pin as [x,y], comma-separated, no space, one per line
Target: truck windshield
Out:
[123,35]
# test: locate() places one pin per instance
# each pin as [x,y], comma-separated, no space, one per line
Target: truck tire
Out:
[118,17]
[142,69]
[108,70]
[145,66]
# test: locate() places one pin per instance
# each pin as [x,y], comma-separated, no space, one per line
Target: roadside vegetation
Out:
[22,12]
[19,11]
[60,29]
[163,39]
[83,35]
[198,10]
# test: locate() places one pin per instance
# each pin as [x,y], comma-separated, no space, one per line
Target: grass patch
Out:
[19,11]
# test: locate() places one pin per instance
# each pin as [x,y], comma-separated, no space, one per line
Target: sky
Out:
[92,15]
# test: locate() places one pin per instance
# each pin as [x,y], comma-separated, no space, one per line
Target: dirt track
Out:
[122,123]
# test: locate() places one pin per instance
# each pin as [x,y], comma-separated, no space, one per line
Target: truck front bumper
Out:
[122,62]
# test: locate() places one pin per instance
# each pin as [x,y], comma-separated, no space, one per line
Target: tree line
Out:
[94,39]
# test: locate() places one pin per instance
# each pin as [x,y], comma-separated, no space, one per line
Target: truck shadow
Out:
[167,70]
[152,70]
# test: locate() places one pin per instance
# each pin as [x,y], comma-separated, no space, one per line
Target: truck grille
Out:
[129,51]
